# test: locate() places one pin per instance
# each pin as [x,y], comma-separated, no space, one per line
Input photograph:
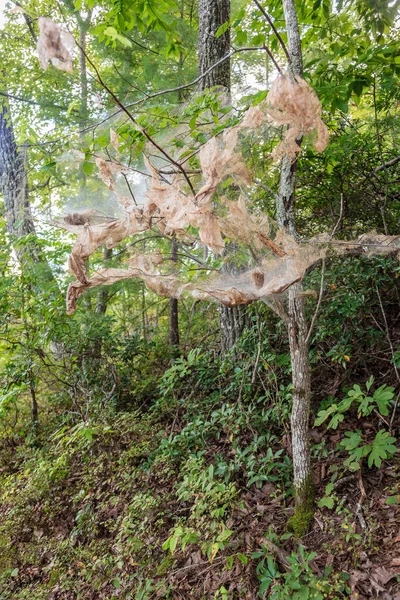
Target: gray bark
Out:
[174,312]
[103,294]
[13,181]
[19,219]
[297,323]
[15,191]
[213,14]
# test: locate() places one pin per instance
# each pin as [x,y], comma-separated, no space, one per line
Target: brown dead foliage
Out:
[295,104]
[108,171]
[218,159]
[54,45]
[174,209]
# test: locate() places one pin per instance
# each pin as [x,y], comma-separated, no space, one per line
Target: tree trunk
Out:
[173,312]
[104,293]
[84,108]
[173,331]
[213,14]
[34,404]
[19,219]
[17,208]
[14,187]
[297,323]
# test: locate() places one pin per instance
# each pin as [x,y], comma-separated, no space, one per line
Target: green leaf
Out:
[382,396]
[392,500]
[88,168]
[221,30]
[352,440]
[265,585]
[382,448]
[327,502]
[113,33]
[324,414]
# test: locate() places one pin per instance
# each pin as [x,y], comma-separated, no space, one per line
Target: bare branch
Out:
[340,217]
[271,23]
[321,291]
[386,165]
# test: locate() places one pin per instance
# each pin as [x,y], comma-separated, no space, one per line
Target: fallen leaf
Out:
[396,562]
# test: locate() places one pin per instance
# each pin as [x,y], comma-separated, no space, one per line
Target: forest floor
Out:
[192,500]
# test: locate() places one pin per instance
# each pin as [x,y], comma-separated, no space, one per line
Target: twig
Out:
[359,511]
[360,516]
[378,414]
[386,165]
[274,29]
[389,339]
[266,188]
[199,78]
[321,291]
[253,377]
[20,99]
[136,123]
[343,481]
[339,219]
[268,51]
[280,554]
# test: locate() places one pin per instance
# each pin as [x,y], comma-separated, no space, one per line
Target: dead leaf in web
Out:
[91,237]
[295,103]
[54,45]
[209,231]
[108,170]
[114,140]
[218,159]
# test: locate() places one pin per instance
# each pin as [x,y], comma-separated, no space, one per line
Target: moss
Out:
[165,565]
[304,509]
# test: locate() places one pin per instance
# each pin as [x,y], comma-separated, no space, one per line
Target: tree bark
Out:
[103,294]
[14,187]
[213,14]
[19,219]
[297,323]
[173,312]
[17,207]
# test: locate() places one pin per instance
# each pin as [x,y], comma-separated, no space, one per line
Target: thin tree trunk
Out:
[15,190]
[173,331]
[34,404]
[173,312]
[213,14]
[84,107]
[297,324]
[104,293]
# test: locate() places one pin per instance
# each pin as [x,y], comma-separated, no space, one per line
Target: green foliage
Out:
[379,401]
[381,448]
[299,581]
[139,468]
